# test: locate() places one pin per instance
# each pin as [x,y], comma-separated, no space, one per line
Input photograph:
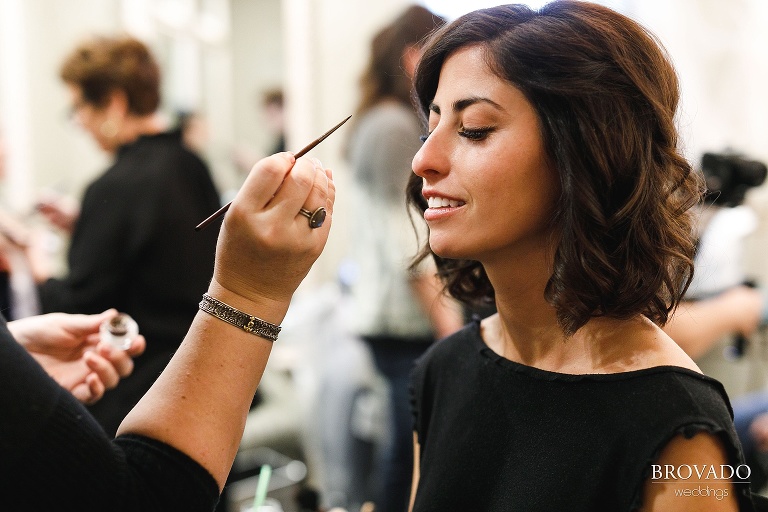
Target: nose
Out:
[431,160]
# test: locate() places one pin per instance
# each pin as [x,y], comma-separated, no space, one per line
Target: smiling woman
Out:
[553,186]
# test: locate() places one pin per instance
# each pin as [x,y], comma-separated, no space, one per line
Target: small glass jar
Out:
[119,331]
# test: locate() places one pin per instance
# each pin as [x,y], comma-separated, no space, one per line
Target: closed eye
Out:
[476,133]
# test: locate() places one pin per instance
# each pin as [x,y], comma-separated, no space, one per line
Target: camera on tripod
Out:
[729,176]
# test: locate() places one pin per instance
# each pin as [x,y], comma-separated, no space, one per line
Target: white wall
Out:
[317,48]
[35,113]
[720,50]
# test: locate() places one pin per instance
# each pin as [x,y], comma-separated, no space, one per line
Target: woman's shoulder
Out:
[638,344]
[641,352]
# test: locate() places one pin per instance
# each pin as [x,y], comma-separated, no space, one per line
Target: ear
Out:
[411,56]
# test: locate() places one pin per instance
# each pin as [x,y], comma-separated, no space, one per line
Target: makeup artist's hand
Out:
[68,348]
[266,247]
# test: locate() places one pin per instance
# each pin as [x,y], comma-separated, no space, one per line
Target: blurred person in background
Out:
[18,294]
[133,246]
[272,110]
[272,105]
[68,347]
[398,312]
[193,129]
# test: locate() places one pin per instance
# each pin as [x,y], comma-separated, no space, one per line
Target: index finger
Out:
[298,186]
[265,180]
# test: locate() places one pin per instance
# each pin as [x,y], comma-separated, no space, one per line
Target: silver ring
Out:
[316,218]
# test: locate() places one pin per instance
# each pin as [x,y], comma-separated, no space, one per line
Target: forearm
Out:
[200,402]
[39,261]
[697,325]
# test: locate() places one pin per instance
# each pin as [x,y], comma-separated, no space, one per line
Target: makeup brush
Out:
[221,211]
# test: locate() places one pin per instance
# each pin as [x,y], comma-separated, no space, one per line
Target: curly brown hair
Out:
[102,65]
[606,94]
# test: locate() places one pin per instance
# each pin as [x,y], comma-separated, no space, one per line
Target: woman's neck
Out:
[523,312]
[526,329]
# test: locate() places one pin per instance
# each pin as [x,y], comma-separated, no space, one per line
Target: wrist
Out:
[266,308]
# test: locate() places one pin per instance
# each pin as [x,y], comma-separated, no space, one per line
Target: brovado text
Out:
[700,472]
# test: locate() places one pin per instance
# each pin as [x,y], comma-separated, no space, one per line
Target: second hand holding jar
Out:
[119,331]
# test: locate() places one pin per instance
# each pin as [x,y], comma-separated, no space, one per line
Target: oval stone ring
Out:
[316,218]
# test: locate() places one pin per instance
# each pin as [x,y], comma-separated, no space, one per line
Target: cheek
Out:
[529,190]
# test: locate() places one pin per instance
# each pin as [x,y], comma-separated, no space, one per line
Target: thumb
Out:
[86,324]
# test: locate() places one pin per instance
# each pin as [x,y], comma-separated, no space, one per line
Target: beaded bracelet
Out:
[244,321]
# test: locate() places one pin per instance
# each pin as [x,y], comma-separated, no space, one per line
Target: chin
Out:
[447,250]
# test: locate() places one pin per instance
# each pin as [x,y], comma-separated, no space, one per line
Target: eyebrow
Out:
[464,103]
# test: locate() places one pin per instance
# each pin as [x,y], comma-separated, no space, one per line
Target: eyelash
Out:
[475,134]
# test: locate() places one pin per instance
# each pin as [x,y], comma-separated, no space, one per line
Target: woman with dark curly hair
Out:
[553,187]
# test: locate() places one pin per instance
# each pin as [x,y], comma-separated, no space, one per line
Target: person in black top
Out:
[130,247]
[175,448]
[553,187]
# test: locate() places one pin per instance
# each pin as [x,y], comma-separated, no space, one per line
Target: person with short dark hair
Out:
[130,247]
[553,187]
